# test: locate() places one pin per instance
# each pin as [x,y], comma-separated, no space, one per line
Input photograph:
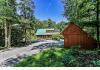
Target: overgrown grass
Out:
[61,57]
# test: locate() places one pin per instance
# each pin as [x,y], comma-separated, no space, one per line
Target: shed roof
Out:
[73,29]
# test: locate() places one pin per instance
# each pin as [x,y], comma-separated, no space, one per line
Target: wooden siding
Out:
[74,35]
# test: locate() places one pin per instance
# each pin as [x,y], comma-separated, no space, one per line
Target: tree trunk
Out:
[25,36]
[24,29]
[9,36]
[97,25]
[30,35]
[6,34]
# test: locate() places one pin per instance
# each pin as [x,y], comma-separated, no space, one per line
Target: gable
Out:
[73,29]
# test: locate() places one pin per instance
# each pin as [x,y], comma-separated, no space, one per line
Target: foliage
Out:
[60,26]
[97,63]
[61,57]
[7,16]
[80,58]
[56,37]
[10,17]
[26,8]
[17,37]
[48,58]
[80,11]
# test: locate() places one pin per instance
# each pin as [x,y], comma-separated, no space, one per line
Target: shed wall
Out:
[83,40]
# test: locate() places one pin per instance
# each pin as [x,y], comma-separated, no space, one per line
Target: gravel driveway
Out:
[17,53]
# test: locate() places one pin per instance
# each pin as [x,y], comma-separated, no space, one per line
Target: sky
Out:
[45,9]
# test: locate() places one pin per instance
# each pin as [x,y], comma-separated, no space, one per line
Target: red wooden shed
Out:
[74,35]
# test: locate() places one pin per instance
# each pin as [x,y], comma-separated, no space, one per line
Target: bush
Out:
[57,37]
[81,58]
[69,57]
[68,60]
[86,58]
[97,63]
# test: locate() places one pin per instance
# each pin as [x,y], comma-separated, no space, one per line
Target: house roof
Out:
[41,32]
[44,32]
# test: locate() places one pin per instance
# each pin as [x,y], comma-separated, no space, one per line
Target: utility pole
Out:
[97,21]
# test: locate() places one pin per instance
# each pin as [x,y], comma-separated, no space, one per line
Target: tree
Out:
[81,12]
[26,10]
[61,25]
[50,23]
[6,16]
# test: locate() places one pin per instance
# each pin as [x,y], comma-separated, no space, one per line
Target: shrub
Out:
[86,58]
[82,58]
[57,37]
[97,63]
[69,57]
[68,60]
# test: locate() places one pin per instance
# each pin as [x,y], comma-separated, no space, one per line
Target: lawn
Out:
[61,57]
